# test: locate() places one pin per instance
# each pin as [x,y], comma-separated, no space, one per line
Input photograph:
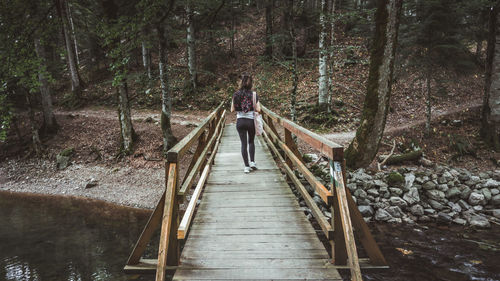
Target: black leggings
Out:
[244,126]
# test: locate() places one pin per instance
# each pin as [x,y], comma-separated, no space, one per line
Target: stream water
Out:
[60,238]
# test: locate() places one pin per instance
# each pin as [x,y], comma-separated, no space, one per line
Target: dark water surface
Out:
[60,238]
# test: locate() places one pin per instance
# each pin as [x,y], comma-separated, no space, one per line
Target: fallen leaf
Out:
[404,251]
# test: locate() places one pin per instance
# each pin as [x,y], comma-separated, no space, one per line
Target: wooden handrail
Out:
[188,215]
[328,148]
[176,152]
[337,198]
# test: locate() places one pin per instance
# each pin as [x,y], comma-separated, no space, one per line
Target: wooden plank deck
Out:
[250,226]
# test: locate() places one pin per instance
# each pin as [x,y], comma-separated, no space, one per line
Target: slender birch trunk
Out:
[191,47]
[490,118]
[365,144]
[146,55]
[269,28]
[331,54]
[76,85]
[49,120]
[323,55]
[166,99]
[73,34]
[295,77]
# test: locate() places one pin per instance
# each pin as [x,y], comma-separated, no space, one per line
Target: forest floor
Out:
[137,180]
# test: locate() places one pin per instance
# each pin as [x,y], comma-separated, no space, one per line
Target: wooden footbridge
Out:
[250,226]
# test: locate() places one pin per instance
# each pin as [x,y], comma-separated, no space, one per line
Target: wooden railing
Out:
[166,213]
[345,214]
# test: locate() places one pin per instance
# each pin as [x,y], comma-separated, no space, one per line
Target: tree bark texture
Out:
[76,85]
[331,54]
[323,56]
[295,76]
[428,100]
[166,99]
[126,128]
[146,56]
[269,28]
[37,144]
[73,34]
[491,99]
[364,146]
[191,47]
[49,120]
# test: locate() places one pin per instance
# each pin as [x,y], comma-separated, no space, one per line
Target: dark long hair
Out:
[246,82]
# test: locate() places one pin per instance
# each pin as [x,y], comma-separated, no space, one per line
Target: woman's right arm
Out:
[232,104]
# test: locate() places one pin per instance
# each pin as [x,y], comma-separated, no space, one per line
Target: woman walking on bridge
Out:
[245,102]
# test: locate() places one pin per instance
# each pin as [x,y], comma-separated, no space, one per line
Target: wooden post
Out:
[199,149]
[174,251]
[289,143]
[168,224]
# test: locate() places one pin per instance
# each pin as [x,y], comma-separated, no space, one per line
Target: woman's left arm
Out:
[232,105]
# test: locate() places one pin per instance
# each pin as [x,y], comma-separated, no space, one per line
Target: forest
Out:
[93,95]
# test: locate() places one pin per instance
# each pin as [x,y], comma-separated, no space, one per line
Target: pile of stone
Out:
[443,194]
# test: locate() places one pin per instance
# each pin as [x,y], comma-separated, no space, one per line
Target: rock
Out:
[435,194]
[424,219]
[312,157]
[409,179]
[395,220]
[395,190]
[496,213]
[327,214]
[398,201]
[494,191]
[380,184]
[395,179]
[444,217]
[395,211]
[429,185]
[487,193]
[68,152]
[465,193]
[443,187]
[412,196]
[479,221]
[463,204]
[435,204]
[425,162]
[455,207]
[382,215]
[383,189]
[476,198]
[464,177]
[491,183]
[366,211]
[352,187]
[360,193]
[495,200]
[417,210]
[429,211]
[452,192]
[373,192]
[477,208]
[408,220]
[361,176]
[91,183]
[473,180]
[460,221]
[62,161]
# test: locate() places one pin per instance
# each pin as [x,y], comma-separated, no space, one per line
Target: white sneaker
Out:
[253,165]
[247,170]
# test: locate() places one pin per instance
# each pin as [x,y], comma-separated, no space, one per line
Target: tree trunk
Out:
[479,47]
[166,100]
[124,116]
[76,85]
[364,146]
[146,54]
[491,101]
[73,34]
[233,31]
[331,54]
[269,28]
[295,77]
[191,47]
[428,101]
[49,120]
[37,144]
[323,55]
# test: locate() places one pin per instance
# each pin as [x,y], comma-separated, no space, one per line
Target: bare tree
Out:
[364,146]
[491,100]
[323,56]
[191,46]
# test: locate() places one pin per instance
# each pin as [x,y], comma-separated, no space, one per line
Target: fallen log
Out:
[409,156]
